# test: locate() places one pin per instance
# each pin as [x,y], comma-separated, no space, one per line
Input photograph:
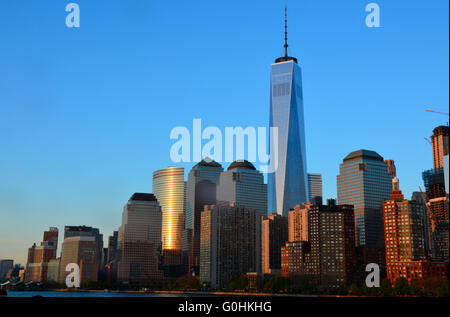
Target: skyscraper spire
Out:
[286,57]
[285,32]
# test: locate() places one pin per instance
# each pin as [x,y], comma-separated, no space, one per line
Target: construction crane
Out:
[428,140]
[438,112]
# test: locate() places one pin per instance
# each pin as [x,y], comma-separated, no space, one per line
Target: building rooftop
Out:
[143,197]
[208,162]
[364,154]
[241,164]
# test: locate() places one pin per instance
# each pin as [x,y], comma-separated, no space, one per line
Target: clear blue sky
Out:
[85,114]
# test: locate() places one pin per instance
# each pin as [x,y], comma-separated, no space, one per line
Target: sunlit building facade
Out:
[288,184]
[404,232]
[169,189]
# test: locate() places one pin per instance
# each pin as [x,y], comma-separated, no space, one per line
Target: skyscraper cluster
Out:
[220,224]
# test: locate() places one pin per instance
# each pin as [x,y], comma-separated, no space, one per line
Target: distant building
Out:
[446,174]
[53,270]
[230,243]
[81,250]
[440,145]
[421,199]
[274,234]
[392,170]
[39,257]
[405,239]
[328,257]
[112,247]
[5,266]
[242,184]
[437,211]
[201,190]
[315,188]
[85,231]
[365,183]
[139,240]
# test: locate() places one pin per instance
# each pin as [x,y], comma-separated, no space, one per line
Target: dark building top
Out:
[441,130]
[242,164]
[364,154]
[286,59]
[211,163]
[79,228]
[143,197]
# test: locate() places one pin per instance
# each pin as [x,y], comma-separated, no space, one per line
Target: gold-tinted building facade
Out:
[169,189]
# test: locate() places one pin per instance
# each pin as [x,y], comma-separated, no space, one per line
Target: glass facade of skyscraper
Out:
[365,183]
[288,185]
[168,187]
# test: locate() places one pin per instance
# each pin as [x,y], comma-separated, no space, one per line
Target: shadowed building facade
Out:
[328,257]
[230,243]
[139,240]
[274,234]
[201,190]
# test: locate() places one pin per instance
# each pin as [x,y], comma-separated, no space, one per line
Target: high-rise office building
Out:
[328,256]
[437,198]
[242,184]
[421,199]
[5,266]
[298,222]
[169,189]
[274,234]
[404,234]
[365,183]
[201,190]
[85,231]
[40,256]
[446,174]
[112,247]
[392,170]
[230,243]
[82,250]
[139,239]
[439,141]
[288,184]
[315,188]
[53,270]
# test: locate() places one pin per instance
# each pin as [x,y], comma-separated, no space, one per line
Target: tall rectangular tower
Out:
[288,184]
[315,188]
[365,183]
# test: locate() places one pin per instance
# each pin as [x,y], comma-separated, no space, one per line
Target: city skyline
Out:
[23,201]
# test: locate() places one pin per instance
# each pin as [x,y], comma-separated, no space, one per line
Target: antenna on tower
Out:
[285,32]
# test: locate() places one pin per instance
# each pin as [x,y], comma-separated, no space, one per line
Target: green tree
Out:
[442,289]
[353,289]
[401,286]
[277,283]
[385,288]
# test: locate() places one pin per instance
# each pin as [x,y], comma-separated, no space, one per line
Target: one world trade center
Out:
[288,184]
